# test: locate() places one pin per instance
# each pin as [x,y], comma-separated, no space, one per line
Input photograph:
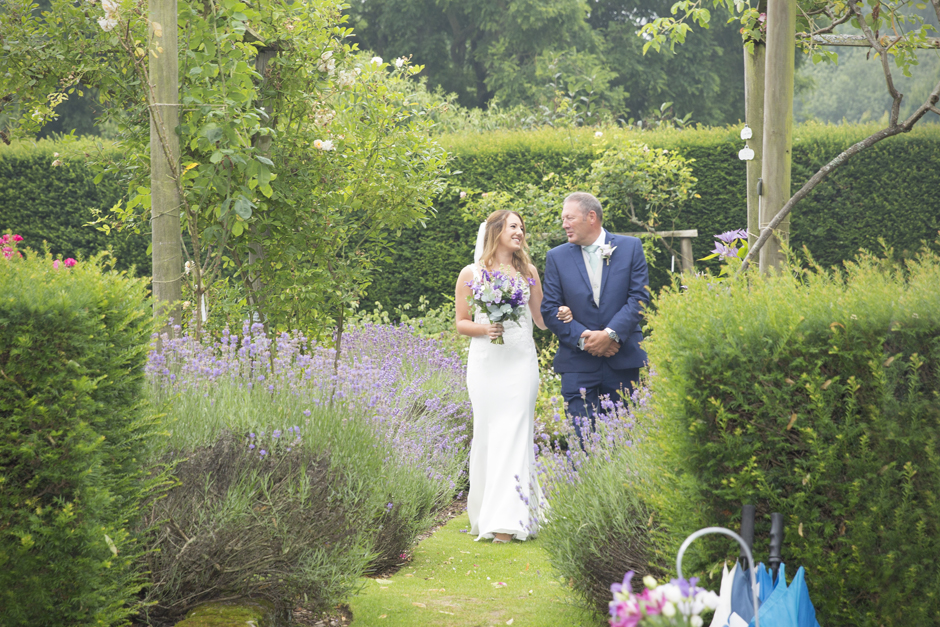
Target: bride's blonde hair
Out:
[495,224]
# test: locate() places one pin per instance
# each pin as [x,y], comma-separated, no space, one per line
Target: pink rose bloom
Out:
[69,262]
[17,238]
[55,264]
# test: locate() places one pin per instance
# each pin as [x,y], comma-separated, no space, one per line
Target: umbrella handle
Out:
[744,547]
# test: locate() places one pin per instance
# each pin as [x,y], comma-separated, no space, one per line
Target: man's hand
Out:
[599,344]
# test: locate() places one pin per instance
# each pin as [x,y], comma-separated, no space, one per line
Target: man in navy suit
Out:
[603,279]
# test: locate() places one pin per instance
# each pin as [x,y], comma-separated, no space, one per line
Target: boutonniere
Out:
[606,250]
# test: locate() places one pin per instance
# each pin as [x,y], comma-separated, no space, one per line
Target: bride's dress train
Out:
[503,381]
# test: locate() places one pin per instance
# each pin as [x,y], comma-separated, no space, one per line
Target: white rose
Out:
[107,25]
[376,61]
[328,145]
[696,621]
[400,61]
[110,7]
[673,594]
[669,610]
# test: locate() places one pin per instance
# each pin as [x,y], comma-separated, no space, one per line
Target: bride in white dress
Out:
[503,381]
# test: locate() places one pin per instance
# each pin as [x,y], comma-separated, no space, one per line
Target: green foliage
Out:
[48,193]
[73,438]
[812,393]
[298,157]
[557,62]
[887,191]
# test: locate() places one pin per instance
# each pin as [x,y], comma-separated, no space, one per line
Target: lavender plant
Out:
[597,521]
[392,417]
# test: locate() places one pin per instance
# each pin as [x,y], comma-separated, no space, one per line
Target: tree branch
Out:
[873,40]
[895,129]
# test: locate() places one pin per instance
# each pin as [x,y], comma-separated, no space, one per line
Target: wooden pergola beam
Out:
[859,41]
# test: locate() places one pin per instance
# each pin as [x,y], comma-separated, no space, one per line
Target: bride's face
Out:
[513,234]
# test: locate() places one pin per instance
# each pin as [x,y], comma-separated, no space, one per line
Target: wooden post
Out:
[164,158]
[778,125]
[754,118]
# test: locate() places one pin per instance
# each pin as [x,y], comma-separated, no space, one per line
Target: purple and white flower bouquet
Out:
[679,602]
[501,297]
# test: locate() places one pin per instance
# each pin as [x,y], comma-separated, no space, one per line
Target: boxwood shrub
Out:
[816,394]
[73,434]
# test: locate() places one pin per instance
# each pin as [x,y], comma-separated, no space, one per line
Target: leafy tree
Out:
[554,55]
[891,28]
[299,156]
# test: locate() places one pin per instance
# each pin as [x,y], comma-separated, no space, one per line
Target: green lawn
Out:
[456,582]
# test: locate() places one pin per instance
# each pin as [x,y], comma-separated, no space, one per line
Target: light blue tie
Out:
[592,257]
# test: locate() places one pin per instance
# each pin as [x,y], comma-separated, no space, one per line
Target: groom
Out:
[603,279]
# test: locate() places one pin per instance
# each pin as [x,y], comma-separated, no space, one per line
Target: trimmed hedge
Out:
[73,435]
[888,191]
[815,394]
[42,201]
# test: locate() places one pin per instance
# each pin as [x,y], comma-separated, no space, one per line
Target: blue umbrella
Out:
[788,606]
[742,599]
[766,582]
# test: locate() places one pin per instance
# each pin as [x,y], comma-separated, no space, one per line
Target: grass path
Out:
[453,581]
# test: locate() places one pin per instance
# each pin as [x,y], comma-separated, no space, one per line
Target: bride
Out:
[503,381]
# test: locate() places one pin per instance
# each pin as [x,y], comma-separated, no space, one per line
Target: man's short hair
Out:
[587,203]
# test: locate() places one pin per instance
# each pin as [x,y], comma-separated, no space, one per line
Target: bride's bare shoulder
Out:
[466,274]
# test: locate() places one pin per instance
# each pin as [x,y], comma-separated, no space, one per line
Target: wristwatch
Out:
[610,332]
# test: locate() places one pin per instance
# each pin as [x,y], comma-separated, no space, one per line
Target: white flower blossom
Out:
[346,78]
[56,155]
[56,163]
[325,145]
[400,61]
[669,610]
[187,267]
[598,134]
[324,116]
[649,582]
[696,621]
[107,24]
[376,61]
[326,55]
[673,594]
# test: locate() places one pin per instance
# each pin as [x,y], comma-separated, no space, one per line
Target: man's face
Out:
[579,228]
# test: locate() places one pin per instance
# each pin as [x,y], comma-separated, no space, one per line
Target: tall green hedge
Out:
[815,394]
[73,437]
[41,199]
[888,191]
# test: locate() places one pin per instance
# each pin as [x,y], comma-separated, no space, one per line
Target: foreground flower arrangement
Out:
[679,602]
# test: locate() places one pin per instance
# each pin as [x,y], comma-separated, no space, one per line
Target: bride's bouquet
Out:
[501,297]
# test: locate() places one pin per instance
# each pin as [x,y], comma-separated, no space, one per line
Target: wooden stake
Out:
[778,125]
[164,159]
[754,117]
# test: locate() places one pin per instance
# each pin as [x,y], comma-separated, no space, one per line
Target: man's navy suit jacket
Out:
[624,294]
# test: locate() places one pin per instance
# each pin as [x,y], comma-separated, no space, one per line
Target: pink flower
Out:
[69,262]
[17,238]
[55,264]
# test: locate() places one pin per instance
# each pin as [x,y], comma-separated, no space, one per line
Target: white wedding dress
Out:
[503,381]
